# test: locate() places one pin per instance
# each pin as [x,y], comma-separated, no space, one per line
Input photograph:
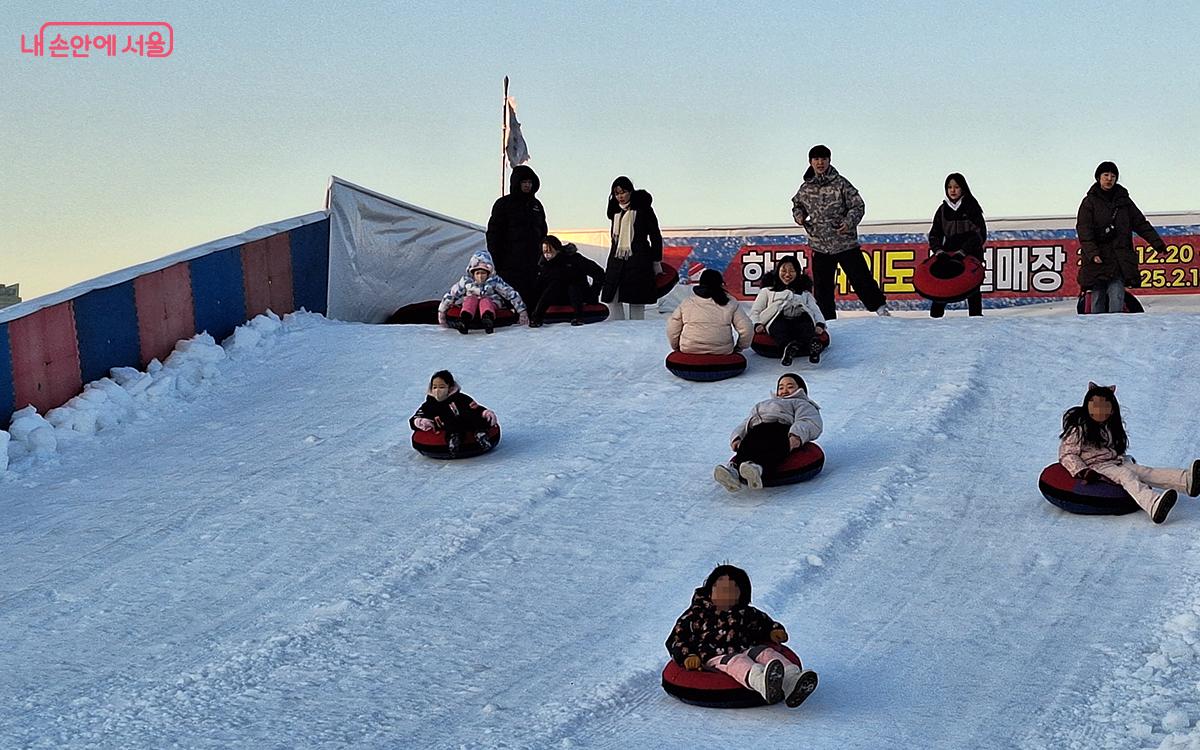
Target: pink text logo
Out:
[66,39]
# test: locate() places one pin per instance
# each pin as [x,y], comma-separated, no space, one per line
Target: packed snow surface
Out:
[240,549]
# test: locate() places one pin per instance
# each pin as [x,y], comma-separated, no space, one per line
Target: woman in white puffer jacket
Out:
[786,309]
[704,322]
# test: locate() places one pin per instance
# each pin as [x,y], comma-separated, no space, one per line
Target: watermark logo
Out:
[76,39]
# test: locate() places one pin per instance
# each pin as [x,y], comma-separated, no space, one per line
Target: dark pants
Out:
[974,306]
[858,273]
[785,330]
[765,444]
[575,295]
[464,424]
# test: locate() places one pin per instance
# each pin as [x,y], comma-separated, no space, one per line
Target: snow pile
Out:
[128,394]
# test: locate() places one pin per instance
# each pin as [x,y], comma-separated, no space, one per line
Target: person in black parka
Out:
[515,232]
[565,277]
[958,229]
[453,412]
[1105,225]
[635,255]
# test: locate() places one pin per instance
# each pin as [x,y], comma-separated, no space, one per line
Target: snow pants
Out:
[1138,480]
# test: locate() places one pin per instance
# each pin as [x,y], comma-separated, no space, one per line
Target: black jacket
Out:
[1099,209]
[457,413]
[633,277]
[570,267]
[959,229]
[515,232]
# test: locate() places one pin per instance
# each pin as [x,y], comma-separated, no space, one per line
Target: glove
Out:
[657,268]
[423,424]
[523,319]
[779,635]
[442,320]
[692,663]
[490,416]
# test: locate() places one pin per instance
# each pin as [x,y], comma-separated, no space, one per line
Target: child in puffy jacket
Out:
[1093,444]
[775,428]
[721,631]
[449,410]
[480,292]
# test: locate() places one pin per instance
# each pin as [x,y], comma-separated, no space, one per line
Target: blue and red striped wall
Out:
[47,355]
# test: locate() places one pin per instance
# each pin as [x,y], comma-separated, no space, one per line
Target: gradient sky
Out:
[109,162]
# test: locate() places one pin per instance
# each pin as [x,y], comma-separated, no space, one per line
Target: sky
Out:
[109,162]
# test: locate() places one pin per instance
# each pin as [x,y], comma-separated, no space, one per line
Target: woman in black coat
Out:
[1105,225]
[515,232]
[564,278]
[959,229]
[635,256]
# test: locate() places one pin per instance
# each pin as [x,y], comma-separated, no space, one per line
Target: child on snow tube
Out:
[721,631]
[448,409]
[1092,446]
[480,292]
[786,309]
[775,427]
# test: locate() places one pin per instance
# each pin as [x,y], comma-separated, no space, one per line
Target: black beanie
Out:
[819,151]
[1107,166]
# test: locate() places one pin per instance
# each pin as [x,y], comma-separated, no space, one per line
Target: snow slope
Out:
[259,559]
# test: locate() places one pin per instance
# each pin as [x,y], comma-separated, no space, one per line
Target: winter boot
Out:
[789,353]
[535,322]
[464,322]
[752,473]
[814,351]
[767,680]
[489,323]
[727,476]
[576,322]
[798,684]
[883,311]
[1162,506]
[483,441]
[452,443]
[1194,482]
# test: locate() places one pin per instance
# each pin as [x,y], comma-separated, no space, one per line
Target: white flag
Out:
[514,145]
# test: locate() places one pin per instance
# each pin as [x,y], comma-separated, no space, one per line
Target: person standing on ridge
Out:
[515,232]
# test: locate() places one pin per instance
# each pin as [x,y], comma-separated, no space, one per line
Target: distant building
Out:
[9,295]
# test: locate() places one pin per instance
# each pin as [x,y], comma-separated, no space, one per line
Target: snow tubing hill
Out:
[802,464]
[944,278]
[705,367]
[665,281]
[592,313]
[714,689]
[1087,498]
[433,444]
[765,345]
[1132,303]
[504,317]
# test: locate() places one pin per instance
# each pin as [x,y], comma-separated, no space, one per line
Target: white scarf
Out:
[954,205]
[622,232]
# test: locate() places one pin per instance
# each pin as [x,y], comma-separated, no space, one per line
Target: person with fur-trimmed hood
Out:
[516,229]
[721,631]
[448,409]
[776,427]
[830,208]
[565,277]
[635,254]
[785,309]
[1105,225]
[702,323]
[480,293]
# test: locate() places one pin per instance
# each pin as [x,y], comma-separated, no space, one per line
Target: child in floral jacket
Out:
[722,632]
[480,292]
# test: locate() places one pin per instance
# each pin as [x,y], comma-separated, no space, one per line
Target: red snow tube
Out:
[705,367]
[504,317]
[802,464]
[1132,303]
[765,345]
[946,278]
[422,313]
[1087,498]
[433,444]
[592,313]
[665,281]
[715,689]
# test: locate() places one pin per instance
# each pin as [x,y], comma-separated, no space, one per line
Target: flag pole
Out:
[504,137]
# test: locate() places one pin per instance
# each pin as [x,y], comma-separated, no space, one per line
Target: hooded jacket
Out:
[452,412]
[516,229]
[703,631]
[494,288]
[961,229]
[822,204]
[700,326]
[570,267]
[633,277]
[798,410]
[773,300]
[1099,209]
